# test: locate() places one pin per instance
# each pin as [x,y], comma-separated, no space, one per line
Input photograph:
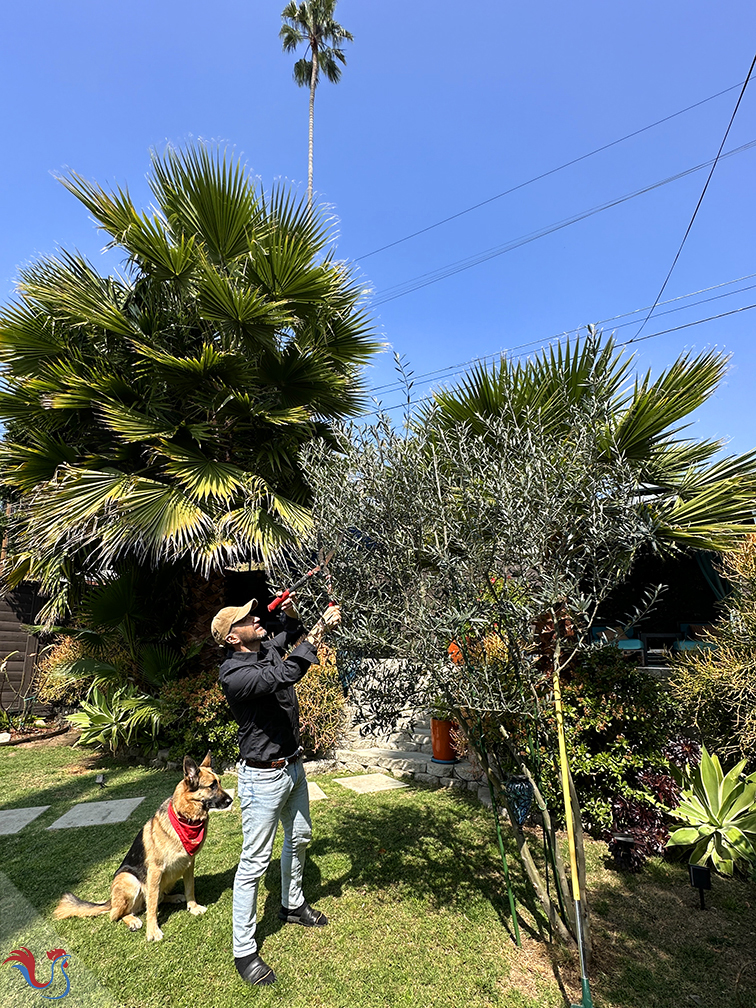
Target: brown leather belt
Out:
[273,764]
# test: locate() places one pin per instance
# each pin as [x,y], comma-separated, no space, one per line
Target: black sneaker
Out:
[303,914]
[254,970]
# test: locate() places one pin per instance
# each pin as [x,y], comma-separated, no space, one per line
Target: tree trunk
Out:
[203,597]
[526,856]
[313,85]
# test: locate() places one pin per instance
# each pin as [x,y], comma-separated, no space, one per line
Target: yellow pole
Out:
[586,1001]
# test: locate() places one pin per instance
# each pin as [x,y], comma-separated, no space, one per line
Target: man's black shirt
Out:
[259,687]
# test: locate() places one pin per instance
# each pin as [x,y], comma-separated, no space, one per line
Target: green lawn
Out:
[410,880]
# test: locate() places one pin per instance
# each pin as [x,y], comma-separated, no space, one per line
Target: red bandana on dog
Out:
[190,834]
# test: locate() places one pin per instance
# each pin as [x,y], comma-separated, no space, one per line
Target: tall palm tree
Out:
[312,22]
[692,501]
[156,416]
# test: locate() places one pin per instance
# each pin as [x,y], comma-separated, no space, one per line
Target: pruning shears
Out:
[322,567]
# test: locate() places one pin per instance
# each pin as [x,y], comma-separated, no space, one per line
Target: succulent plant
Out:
[720,812]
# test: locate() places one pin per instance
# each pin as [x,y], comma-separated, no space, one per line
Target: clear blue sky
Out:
[441,105]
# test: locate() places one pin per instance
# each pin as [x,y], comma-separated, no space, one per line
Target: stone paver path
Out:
[316,791]
[13,820]
[366,783]
[97,813]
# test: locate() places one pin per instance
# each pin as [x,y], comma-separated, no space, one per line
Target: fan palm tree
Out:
[312,22]
[157,415]
[692,501]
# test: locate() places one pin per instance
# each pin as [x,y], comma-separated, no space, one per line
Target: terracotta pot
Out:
[441,741]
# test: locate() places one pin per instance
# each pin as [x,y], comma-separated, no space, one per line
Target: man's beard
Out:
[251,635]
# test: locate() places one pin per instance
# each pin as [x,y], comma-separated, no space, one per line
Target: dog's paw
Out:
[197,909]
[155,935]
[174,898]
[132,923]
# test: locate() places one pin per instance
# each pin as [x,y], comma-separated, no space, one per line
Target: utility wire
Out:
[457,369]
[451,370]
[687,325]
[663,332]
[546,174]
[444,272]
[700,200]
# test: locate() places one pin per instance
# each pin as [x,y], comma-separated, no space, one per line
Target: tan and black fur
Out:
[157,858]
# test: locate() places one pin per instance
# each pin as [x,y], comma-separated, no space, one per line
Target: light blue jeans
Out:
[267,797]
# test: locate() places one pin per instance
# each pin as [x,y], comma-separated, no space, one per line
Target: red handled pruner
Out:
[303,580]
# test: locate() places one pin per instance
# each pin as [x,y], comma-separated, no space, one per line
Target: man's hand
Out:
[330,618]
[288,606]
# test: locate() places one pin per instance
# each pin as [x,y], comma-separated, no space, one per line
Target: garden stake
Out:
[510,894]
[586,1001]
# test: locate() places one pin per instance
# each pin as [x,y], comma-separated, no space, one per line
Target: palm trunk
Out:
[203,596]
[313,85]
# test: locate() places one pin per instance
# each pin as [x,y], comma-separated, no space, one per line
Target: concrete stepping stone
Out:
[367,783]
[13,820]
[97,813]
[316,791]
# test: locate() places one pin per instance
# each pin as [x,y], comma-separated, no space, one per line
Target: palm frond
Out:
[131,425]
[243,308]
[656,407]
[24,466]
[207,194]
[202,477]
[71,289]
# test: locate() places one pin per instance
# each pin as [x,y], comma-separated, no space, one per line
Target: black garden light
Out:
[100,779]
[520,796]
[623,850]
[700,878]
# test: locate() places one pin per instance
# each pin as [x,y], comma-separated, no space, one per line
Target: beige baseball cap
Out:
[225,619]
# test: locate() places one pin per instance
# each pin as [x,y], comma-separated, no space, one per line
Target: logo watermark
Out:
[24,961]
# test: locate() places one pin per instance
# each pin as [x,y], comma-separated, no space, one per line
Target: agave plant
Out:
[116,719]
[720,812]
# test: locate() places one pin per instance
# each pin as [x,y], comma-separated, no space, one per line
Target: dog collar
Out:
[190,834]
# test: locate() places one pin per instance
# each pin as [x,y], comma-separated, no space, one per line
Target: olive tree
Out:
[499,542]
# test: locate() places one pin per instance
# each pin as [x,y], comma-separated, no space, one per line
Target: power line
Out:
[546,174]
[687,325]
[451,370]
[700,199]
[663,332]
[444,272]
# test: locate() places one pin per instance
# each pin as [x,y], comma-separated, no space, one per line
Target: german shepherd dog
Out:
[163,851]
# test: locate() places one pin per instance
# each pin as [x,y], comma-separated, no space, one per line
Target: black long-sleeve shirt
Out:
[259,687]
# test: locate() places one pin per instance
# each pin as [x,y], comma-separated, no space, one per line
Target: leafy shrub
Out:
[121,717]
[200,718]
[618,721]
[54,681]
[120,635]
[321,704]
[716,687]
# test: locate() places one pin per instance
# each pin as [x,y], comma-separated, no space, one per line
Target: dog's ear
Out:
[207,761]
[191,773]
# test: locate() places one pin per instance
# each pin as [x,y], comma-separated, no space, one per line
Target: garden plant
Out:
[155,415]
[715,685]
[509,516]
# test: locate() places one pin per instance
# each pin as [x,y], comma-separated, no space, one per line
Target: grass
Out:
[411,881]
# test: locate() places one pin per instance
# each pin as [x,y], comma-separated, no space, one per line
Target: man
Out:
[258,683]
